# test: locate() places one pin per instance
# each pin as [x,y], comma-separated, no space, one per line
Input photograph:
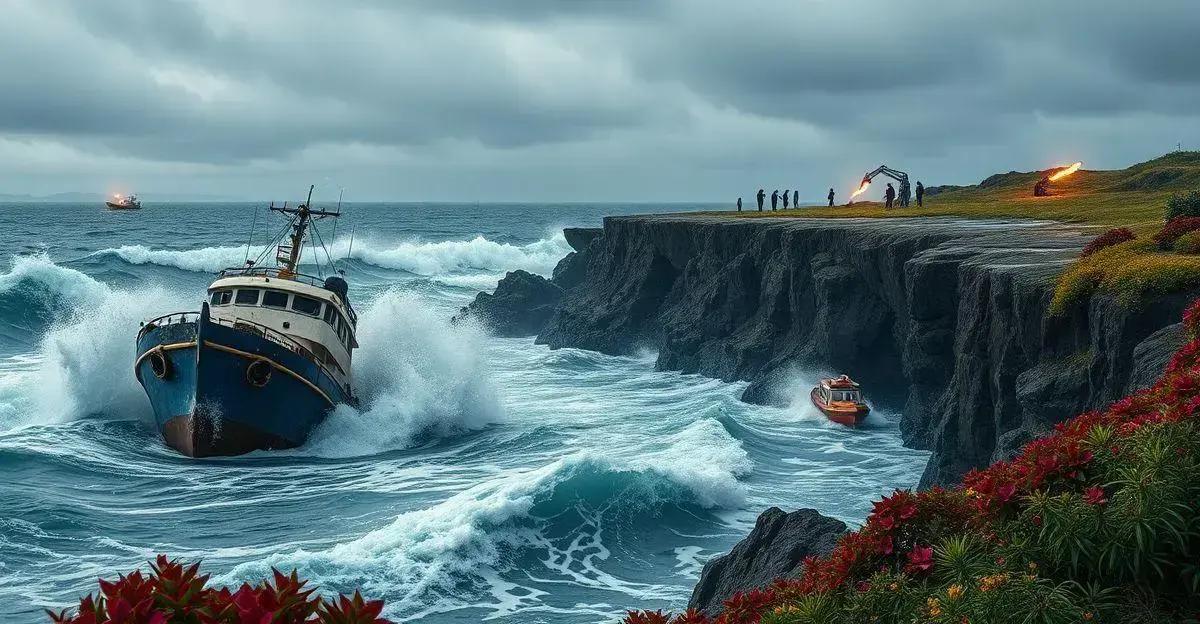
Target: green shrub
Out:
[1183,205]
[1188,243]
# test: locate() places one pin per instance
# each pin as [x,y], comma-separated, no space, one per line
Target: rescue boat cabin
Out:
[840,399]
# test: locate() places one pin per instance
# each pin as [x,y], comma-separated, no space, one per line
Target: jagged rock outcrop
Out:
[520,305]
[944,320]
[776,548]
[579,238]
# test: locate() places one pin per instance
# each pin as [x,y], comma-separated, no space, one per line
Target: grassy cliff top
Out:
[1133,197]
[1136,270]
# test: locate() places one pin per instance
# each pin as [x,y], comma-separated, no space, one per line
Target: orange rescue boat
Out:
[840,399]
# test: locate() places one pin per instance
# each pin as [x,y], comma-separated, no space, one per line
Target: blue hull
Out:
[208,400]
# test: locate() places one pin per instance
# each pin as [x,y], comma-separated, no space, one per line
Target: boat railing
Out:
[276,272]
[244,326]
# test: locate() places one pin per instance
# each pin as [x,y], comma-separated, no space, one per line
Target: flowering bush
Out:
[173,593]
[1183,205]
[1097,521]
[1112,237]
[1175,228]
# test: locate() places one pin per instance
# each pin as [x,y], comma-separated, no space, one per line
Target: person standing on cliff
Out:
[761,195]
[795,199]
[787,194]
[831,198]
[920,194]
[739,204]
[889,196]
[774,200]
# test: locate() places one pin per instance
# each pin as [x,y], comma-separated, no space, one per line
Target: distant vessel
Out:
[840,399]
[262,362]
[119,202]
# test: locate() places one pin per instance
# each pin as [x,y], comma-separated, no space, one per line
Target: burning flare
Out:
[1066,172]
[862,189]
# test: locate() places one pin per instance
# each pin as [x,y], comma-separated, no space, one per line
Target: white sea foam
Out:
[448,554]
[417,375]
[82,364]
[420,257]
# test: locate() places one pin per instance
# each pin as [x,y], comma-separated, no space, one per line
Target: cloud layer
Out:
[621,100]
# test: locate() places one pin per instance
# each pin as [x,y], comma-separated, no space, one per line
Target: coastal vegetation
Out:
[1098,521]
[1147,199]
[172,593]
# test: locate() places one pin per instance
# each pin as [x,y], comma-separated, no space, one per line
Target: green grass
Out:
[1135,197]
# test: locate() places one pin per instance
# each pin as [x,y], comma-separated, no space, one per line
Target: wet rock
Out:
[579,238]
[520,305]
[943,320]
[776,548]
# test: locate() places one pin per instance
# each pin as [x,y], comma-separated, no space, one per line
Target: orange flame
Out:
[1066,172]
[862,189]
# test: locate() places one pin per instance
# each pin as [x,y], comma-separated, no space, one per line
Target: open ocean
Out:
[483,477]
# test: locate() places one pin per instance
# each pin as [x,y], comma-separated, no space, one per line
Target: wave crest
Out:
[421,258]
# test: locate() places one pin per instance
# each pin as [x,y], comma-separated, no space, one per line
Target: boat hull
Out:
[849,416]
[207,401]
[115,206]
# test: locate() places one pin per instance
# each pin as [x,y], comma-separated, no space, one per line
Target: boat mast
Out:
[299,228]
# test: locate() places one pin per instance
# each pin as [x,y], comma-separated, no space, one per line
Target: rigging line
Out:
[251,238]
[325,248]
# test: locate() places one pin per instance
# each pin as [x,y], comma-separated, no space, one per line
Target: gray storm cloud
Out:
[587,100]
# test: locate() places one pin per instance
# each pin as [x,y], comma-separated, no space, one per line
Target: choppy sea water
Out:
[483,477]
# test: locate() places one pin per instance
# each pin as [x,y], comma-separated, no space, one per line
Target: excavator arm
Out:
[898,176]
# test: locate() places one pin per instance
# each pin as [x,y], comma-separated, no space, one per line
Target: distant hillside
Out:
[1177,171]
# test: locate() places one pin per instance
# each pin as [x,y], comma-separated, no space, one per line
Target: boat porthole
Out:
[258,373]
[159,364]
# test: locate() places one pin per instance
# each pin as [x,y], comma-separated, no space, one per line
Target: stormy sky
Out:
[585,100]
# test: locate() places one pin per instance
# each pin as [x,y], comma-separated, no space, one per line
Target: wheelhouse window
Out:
[247,296]
[306,305]
[221,297]
[275,299]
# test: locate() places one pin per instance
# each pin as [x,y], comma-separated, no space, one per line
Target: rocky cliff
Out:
[943,320]
[776,548]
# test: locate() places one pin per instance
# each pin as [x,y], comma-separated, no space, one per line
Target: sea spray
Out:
[85,357]
[416,375]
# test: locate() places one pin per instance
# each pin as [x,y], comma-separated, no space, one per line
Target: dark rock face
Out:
[520,306]
[776,548]
[579,238]
[943,319]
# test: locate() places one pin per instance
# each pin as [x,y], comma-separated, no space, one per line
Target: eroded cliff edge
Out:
[944,320]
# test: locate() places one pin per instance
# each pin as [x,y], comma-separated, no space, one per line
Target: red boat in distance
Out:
[840,399]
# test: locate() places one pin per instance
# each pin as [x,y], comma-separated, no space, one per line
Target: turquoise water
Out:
[483,477]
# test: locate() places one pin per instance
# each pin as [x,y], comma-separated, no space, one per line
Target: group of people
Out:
[889,196]
[788,196]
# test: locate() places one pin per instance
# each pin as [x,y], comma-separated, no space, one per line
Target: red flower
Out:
[1036,520]
[920,559]
[1095,496]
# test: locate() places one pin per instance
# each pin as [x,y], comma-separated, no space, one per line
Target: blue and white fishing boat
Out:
[262,362]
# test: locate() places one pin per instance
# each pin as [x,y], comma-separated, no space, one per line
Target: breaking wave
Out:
[417,376]
[419,257]
[556,517]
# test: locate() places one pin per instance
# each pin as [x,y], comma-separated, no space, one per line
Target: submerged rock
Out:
[776,548]
[520,305]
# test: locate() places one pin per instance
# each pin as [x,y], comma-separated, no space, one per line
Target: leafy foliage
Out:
[176,594]
[1097,521]
[1112,237]
[1183,205]
[1175,228]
